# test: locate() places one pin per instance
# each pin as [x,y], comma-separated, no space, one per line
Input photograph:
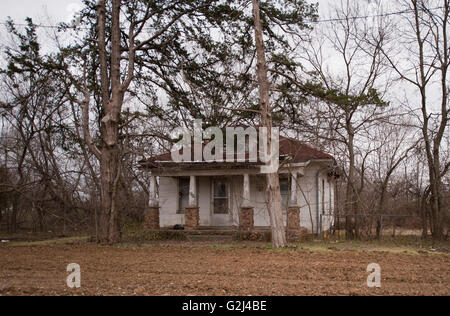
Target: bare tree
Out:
[347,81]
[115,47]
[394,143]
[273,184]
[424,35]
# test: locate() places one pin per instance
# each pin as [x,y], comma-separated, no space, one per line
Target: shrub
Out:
[138,233]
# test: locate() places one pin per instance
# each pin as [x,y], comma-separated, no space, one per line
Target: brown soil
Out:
[185,269]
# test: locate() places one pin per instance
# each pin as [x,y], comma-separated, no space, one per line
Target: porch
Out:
[218,202]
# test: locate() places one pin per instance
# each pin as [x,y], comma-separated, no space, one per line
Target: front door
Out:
[220,207]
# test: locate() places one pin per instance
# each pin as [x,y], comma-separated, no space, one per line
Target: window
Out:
[284,190]
[220,196]
[330,195]
[323,197]
[183,194]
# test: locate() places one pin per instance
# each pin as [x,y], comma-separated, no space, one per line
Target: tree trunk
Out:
[108,219]
[351,199]
[381,208]
[433,142]
[380,227]
[112,100]
[423,214]
[40,216]
[273,182]
[13,218]
[436,197]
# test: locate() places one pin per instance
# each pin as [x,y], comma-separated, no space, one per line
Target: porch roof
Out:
[292,151]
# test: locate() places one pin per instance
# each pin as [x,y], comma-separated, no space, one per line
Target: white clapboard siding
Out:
[306,196]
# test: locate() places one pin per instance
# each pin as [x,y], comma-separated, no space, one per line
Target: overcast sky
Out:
[39,10]
[58,10]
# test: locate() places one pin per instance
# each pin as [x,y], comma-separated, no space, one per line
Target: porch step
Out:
[205,232]
[214,231]
[214,234]
[210,238]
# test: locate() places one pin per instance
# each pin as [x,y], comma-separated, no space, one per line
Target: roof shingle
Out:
[291,150]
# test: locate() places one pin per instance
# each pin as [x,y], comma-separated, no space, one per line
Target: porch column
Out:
[293,212]
[246,215]
[192,214]
[293,201]
[152,213]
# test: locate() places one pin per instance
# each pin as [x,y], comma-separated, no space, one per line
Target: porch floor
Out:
[218,231]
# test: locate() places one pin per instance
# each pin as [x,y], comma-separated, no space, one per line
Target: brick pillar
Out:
[293,223]
[191,218]
[152,218]
[246,219]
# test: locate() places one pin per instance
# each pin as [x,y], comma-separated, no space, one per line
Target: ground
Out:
[206,268]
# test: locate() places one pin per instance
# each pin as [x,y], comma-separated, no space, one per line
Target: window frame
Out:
[285,205]
[227,198]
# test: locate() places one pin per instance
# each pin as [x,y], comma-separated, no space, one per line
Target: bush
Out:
[253,236]
[138,233]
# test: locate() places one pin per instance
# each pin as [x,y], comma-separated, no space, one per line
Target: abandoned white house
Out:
[224,194]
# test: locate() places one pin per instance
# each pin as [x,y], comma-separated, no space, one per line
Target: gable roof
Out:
[300,152]
[291,150]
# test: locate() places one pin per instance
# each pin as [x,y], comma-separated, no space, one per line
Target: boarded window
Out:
[183,194]
[221,196]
